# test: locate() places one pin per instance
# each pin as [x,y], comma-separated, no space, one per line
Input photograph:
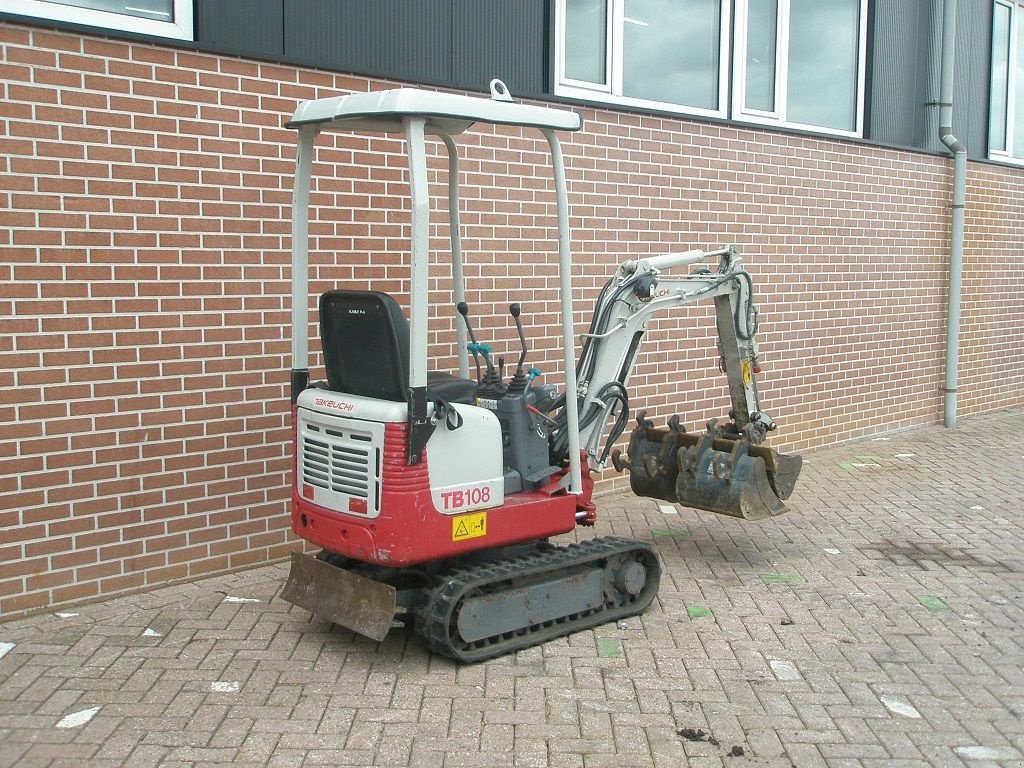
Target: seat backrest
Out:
[365,338]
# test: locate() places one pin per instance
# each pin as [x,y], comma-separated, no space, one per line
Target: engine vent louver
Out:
[342,461]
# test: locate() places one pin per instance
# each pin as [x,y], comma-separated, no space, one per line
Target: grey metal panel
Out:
[971,81]
[407,39]
[506,39]
[929,51]
[245,26]
[905,61]
[904,73]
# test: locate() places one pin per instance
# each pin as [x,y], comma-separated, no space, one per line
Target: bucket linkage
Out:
[722,470]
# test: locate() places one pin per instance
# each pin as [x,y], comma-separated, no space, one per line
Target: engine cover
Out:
[356,494]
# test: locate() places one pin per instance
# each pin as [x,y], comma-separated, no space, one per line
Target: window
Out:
[1006,96]
[657,53]
[797,63]
[800,63]
[160,18]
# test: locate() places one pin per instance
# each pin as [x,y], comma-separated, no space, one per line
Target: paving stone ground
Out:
[877,624]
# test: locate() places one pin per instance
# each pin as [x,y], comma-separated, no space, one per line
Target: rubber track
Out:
[437,615]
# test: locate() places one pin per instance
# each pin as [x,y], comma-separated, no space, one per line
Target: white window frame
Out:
[566,86]
[1005,153]
[181,28]
[610,92]
[732,50]
[777,117]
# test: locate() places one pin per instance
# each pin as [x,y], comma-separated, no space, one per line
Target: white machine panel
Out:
[465,464]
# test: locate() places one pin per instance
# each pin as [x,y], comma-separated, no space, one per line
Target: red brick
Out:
[170,573]
[75,592]
[187,183]
[24,602]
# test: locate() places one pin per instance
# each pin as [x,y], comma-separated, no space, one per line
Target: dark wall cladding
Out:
[905,78]
[904,75]
[503,39]
[464,43]
[242,25]
[393,38]
[973,71]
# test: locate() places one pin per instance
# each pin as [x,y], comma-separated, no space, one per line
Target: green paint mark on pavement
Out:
[781,578]
[609,648]
[845,465]
[932,603]
[664,534]
[697,611]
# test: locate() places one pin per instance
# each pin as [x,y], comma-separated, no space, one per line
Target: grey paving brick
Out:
[793,672]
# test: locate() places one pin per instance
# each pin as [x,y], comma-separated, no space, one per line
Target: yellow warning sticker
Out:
[748,377]
[470,526]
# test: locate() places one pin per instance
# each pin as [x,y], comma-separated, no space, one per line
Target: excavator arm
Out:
[728,472]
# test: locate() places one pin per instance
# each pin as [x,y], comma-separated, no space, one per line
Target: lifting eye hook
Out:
[500,92]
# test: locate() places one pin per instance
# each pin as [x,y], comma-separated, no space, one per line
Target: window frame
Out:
[731,71]
[777,117]
[610,92]
[181,28]
[1005,154]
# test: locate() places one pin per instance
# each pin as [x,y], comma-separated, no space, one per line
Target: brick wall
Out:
[145,198]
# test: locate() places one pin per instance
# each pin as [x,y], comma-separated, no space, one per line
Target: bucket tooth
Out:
[619,463]
[674,426]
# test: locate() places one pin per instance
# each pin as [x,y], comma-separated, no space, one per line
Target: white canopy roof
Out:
[449,113]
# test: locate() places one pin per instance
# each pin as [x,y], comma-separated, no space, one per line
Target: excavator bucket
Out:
[709,471]
[729,483]
[653,461]
[335,594]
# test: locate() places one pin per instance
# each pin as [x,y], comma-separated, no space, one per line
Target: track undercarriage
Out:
[495,602]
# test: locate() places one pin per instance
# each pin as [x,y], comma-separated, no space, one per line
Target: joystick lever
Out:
[519,381]
[489,385]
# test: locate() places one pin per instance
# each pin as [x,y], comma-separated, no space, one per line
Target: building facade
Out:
[144,243]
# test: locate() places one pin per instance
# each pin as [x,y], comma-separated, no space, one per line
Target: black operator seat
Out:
[365,338]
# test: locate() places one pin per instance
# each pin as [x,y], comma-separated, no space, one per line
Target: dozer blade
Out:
[352,601]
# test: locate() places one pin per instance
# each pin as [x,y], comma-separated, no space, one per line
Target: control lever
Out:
[489,386]
[519,381]
[463,309]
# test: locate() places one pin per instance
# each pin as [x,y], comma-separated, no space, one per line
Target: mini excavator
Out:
[433,496]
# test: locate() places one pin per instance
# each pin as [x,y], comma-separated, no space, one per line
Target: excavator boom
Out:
[725,470]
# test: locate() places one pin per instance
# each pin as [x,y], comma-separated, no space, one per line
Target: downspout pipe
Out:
[956,257]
